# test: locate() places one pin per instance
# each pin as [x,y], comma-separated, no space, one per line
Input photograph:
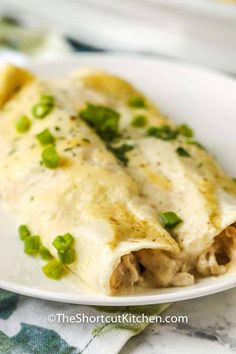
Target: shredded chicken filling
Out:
[155,268]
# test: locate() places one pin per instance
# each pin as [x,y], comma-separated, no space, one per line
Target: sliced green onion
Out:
[104,120]
[164,133]
[47,99]
[137,102]
[63,242]
[50,157]
[23,124]
[139,121]
[182,152]
[41,110]
[45,137]
[194,142]
[32,244]
[120,152]
[45,253]
[53,269]
[67,257]
[43,107]
[169,219]
[23,232]
[185,130]
[64,246]
[85,140]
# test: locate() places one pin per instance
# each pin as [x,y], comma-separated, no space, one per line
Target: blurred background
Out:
[197,31]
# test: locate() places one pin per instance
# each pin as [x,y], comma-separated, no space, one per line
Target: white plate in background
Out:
[203,99]
[201,31]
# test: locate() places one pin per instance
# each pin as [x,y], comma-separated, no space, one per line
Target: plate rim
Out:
[105,300]
[32,63]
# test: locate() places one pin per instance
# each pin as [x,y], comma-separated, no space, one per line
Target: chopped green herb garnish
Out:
[63,242]
[86,140]
[182,152]
[50,157]
[137,102]
[64,246]
[32,244]
[169,219]
[41,110]
[53,269]
[69,148]
[23,124]
[139,121]
[120,152]
[45,253]
[103,119]
[45,137]
[185,130]
[23,232]
[43,107]
[194,142]
[47,99]
[165,132]
[67,257]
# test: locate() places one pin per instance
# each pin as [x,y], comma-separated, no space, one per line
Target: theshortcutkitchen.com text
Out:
[117,318]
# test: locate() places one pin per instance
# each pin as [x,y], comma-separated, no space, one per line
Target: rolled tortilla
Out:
[175,174]
[88,195]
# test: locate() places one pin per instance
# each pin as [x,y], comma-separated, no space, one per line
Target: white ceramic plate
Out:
[201,31]
[204,99]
